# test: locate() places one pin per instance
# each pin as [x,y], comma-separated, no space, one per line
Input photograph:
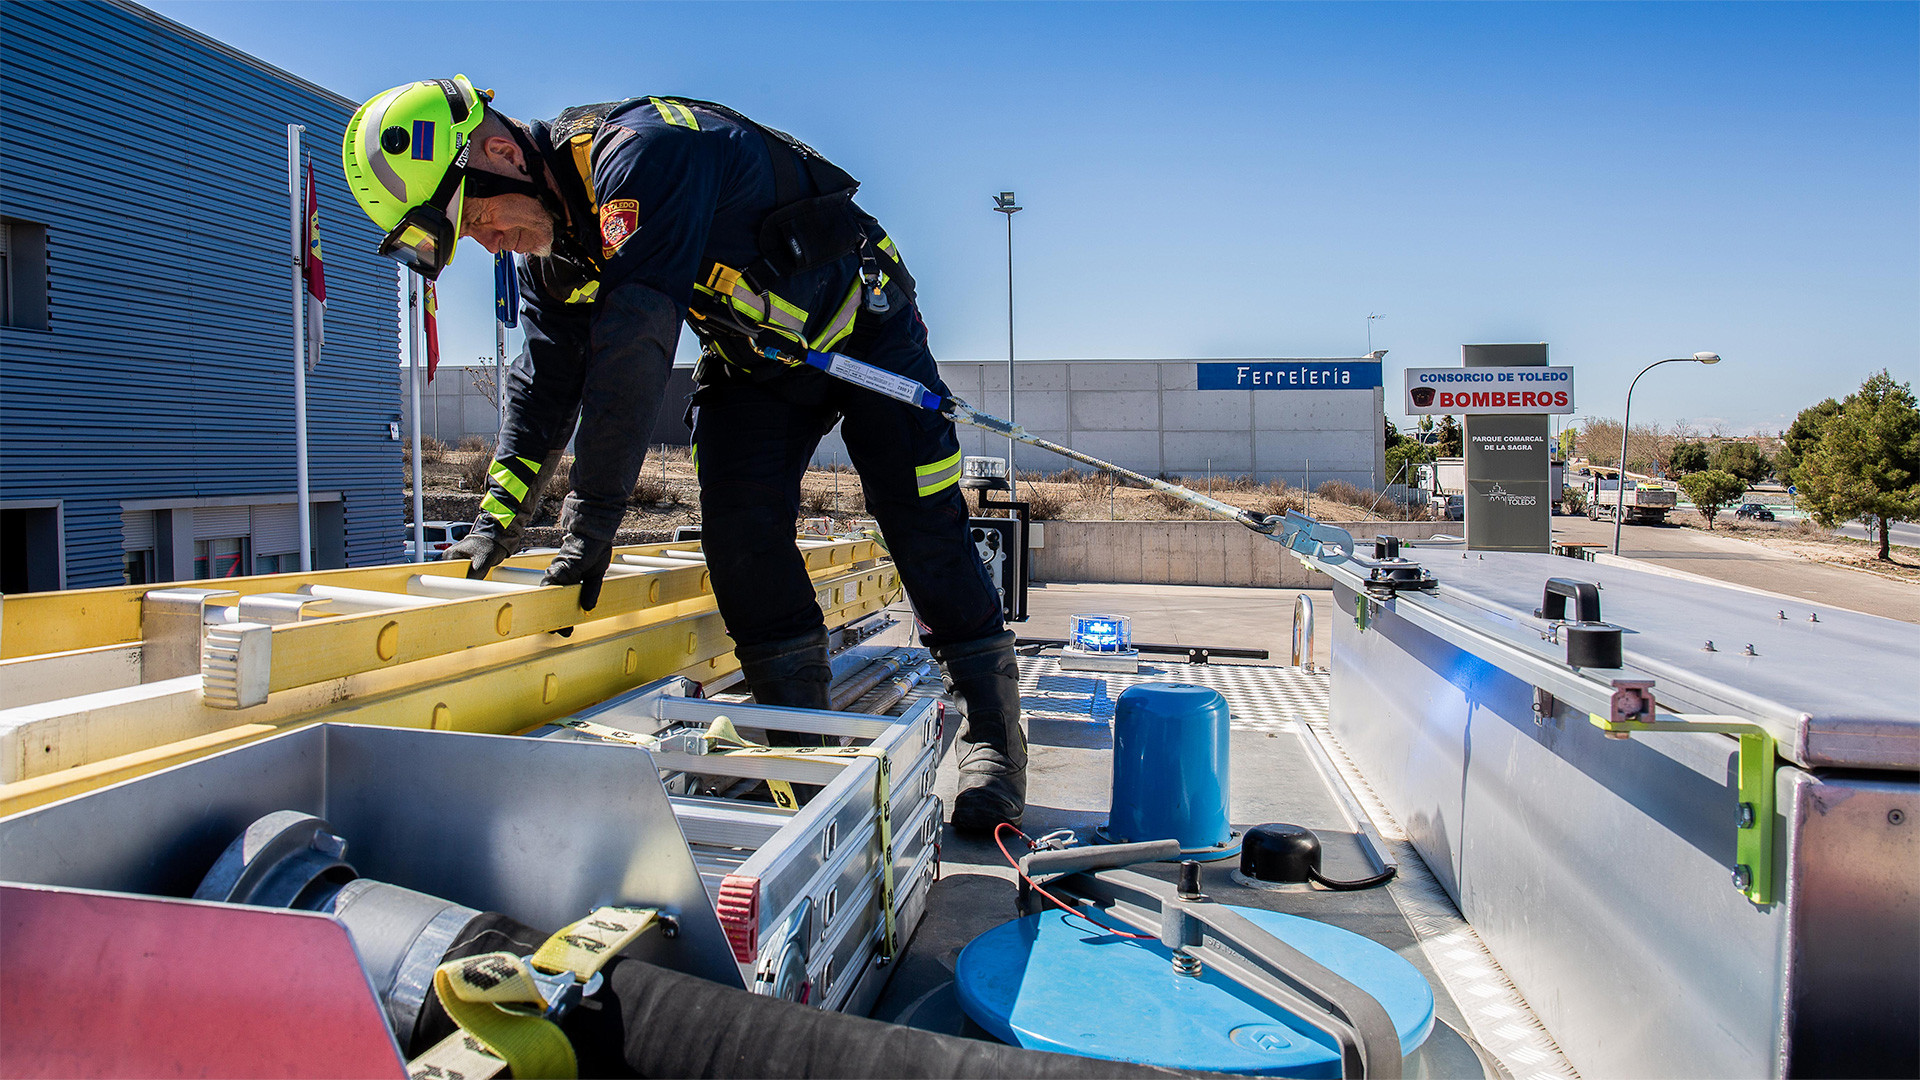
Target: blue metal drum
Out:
[1170,770]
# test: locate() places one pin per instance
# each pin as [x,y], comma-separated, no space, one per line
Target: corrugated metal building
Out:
[146,378]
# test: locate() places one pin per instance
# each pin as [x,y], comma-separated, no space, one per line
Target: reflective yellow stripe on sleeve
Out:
[938,476]
[508,478]
[500,511]
[676,114]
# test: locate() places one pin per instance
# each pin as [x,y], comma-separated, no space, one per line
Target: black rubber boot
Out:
[984,679]
[793,672]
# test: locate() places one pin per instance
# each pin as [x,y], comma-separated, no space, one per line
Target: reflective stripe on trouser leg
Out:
[509,480]
[940,475]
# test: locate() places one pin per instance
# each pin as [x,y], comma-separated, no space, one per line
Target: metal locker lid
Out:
[1837,687]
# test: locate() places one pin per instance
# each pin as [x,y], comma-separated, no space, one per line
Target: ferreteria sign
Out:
[1489,390]
[1291,375]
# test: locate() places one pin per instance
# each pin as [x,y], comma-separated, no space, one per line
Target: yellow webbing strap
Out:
[883,798]
[584,947]
[726,739]
[459,1056]
[476,992]
[498,1005]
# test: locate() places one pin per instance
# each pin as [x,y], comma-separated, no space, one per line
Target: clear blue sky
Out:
[1624,181]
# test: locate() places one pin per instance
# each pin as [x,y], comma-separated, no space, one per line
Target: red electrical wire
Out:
[1073,912]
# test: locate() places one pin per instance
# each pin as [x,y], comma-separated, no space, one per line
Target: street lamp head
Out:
[1004,202]
[1707,357]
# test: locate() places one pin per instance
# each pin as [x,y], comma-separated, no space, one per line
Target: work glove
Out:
[581,562]
[482,551]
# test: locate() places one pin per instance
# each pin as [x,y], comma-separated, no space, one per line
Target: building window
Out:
[276,564]
[23,274]
[31,559]
[136,567]
[222,558]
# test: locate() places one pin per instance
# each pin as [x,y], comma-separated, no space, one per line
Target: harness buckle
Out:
[875,292]
[562,989]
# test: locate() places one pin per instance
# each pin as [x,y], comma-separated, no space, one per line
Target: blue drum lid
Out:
[1055,982]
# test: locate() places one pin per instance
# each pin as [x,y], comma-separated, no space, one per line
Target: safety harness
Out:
[733,307]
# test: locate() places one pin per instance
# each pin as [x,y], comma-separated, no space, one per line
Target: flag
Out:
[314,270]
[506,290]
[430,307]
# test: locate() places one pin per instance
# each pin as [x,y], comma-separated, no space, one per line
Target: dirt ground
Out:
[667,496]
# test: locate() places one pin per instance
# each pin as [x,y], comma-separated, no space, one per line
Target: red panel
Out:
[105,984]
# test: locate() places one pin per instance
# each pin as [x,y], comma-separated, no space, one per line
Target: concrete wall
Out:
[1150,416]
[1191,552]
[454,406]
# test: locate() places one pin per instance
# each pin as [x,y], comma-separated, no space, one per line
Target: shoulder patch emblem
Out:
[619,220]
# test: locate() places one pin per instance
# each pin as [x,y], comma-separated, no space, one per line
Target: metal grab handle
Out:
[1585,596]
[1303,631]
[1098,857]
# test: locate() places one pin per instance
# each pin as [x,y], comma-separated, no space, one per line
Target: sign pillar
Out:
[1508,505]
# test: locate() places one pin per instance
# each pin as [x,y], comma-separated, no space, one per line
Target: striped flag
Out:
[430,306]
[506,290]
[315,273]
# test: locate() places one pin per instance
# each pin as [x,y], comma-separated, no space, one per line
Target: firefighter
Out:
[635,216]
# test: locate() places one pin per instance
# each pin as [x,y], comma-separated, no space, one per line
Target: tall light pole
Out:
[1370,319]
[1626,423]
[1004,203]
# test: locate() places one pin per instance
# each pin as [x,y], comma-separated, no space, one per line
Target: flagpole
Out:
[413,383]
[295,219]
[500,374]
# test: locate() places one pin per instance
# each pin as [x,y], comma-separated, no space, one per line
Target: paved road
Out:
[1750,564]
[1904,533]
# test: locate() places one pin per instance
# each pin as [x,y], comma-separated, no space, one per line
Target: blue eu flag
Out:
[506,290]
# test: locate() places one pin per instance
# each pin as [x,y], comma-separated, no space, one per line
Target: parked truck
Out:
[1647,501]
[1445,483]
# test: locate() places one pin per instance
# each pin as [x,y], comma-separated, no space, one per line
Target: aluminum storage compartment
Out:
[1602,871]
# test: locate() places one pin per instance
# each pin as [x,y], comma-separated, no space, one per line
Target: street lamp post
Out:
[1626,422]
[1004,203]
[1370,318]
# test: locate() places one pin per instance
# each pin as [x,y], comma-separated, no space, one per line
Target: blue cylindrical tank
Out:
[1170,768]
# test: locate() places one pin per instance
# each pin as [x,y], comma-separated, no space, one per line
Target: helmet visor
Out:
[422,242]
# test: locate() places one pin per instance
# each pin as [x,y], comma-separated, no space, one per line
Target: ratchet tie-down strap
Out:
[502,1007]
[727,741]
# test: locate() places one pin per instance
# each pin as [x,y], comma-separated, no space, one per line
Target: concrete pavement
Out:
[1248,618]
[1743,563]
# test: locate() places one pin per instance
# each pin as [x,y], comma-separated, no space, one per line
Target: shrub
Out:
[651,491]
[432,449]
[476,444]
[1044,503]
[1575,500]
[1342,492]
[473,474]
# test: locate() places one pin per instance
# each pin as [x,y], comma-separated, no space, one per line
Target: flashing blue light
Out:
[1102,633]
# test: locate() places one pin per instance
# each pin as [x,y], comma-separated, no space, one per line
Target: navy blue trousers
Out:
[752,442]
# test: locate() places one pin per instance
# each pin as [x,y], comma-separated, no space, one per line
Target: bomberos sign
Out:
[1481,391]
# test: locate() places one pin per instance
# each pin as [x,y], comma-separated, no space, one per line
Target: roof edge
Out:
[225,49]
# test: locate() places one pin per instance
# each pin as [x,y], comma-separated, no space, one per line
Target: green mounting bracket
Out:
[1362,610]
[1753,836]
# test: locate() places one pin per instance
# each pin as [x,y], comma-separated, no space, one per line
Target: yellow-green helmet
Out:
[405,155]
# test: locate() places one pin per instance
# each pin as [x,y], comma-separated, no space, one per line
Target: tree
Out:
[1711,491]
[1450,440]
[1742,459]
[1688,457]
[1568,436]
[1802,435]
[1867,461]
